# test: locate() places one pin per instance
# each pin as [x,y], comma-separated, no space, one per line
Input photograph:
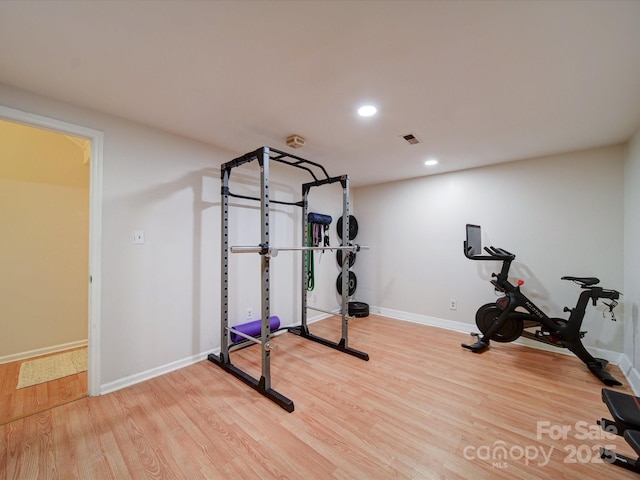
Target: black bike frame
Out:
[567,332]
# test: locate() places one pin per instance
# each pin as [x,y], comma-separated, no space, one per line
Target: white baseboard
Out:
[613,357]
[423,319]
[42,351]
[633,376]
[154,372]
[170,367]
[630,373]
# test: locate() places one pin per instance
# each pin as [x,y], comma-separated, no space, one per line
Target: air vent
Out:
[411,139]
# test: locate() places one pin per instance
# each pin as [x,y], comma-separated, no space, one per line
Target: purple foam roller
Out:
[254,328]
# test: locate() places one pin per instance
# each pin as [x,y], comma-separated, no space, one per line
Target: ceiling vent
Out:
[295,141]
[411,139]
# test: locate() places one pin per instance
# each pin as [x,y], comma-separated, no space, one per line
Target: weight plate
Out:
[353,283]
[353,227]
[358,309]
[352,258]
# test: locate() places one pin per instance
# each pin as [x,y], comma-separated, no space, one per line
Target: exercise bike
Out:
[514,315]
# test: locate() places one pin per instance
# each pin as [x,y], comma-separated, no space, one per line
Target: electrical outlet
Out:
[249,314]
[453,305]
[138,237]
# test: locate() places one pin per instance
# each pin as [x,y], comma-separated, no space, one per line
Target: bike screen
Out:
[474,240]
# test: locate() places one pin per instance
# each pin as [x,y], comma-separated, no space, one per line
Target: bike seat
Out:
[584,281]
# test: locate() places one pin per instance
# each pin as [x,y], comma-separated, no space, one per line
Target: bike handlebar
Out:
[502,283]
[499,252]
[495,253]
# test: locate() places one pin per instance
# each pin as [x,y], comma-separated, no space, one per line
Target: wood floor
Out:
[421,408]
[16,404]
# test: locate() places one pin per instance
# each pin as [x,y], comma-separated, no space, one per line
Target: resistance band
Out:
[309,255]
[317,231]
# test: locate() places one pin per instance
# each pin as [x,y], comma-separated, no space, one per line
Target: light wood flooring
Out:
[16,404]
[421,408]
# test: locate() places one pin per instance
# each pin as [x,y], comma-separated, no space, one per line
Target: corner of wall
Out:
[632,259]
[631,373]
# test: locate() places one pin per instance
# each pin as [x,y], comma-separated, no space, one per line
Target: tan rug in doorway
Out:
[45,369]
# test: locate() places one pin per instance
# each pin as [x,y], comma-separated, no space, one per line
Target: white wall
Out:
[632,259]
[561,215]
[158,299]
[161,300]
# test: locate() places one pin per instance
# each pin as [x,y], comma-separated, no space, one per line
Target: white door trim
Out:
[95,225]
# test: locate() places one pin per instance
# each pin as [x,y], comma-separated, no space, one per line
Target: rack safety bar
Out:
[250,338]
[323,311]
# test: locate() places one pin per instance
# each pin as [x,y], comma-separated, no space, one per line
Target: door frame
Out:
[95,226]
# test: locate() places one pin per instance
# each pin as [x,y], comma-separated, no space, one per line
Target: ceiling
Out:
[478,82]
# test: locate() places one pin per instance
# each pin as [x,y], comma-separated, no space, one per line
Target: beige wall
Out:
[44,228]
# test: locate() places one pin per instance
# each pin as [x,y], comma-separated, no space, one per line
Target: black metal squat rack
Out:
[264,156]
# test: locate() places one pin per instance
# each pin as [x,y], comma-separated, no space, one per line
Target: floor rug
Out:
[40,370]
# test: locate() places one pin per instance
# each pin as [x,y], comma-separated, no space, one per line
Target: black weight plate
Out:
[352,258]
[353,283]
[353,227]
[358,309]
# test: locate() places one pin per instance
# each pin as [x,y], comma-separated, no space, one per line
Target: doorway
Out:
[52,197]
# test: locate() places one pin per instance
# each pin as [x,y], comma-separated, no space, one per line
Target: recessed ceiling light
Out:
[367,111]
[431,162]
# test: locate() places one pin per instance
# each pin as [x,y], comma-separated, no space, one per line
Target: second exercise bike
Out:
[514,315]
